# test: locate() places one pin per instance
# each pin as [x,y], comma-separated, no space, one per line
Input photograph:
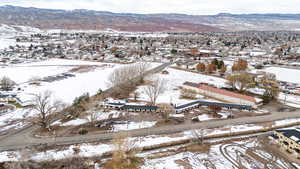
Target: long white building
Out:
[221,94]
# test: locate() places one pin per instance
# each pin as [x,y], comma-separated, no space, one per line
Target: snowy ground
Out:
[289,99]
[66,89]
[175,79]
[285,74]
[101,116]
[248,154]
[207,117]
[88,150]
[5,42]
[15,119]
[222,155]
[7,34]
[22,73]
[133,125]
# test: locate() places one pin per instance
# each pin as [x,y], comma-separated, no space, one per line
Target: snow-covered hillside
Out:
[17,30]
[7,34]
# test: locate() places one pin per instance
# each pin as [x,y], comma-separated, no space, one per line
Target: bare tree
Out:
[122,75]
[115,78]
[93,117]
[6,83]
[46,108]
[156,88]
[125,78]
[128,73]
[166,111]
[141,68]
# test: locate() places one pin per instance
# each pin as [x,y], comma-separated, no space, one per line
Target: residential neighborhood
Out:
[178,98]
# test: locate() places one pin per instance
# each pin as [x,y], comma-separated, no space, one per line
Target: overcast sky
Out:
[167,6]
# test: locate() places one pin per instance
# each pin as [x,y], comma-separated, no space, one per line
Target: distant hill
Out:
[102,20]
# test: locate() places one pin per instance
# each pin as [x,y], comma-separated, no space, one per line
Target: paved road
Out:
[24,134]
[24,138]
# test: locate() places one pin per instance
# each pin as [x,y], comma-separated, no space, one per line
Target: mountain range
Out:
[101,20]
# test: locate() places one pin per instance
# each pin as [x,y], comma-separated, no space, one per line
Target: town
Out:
[115,99]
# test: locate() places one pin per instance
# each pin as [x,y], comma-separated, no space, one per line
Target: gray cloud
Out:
[167,6]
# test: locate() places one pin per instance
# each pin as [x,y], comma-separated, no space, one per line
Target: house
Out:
[202,54]
[289,139]
[221,94]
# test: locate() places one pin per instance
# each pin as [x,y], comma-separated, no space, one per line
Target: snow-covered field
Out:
[175,79]
[65,90]
[6,42]
[285,74]
[25,72]
[290,100]
[7,34]
[21,73]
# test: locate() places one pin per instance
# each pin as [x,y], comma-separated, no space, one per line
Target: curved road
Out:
[23,138]
[25,133]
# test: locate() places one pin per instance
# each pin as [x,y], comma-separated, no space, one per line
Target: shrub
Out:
[266,98]
[188,94]
[125,155]
[82,131]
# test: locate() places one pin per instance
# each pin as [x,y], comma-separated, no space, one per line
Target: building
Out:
[113,105]
[197,104]
[131,108]
[289,139]
[221,94]
[140,108]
